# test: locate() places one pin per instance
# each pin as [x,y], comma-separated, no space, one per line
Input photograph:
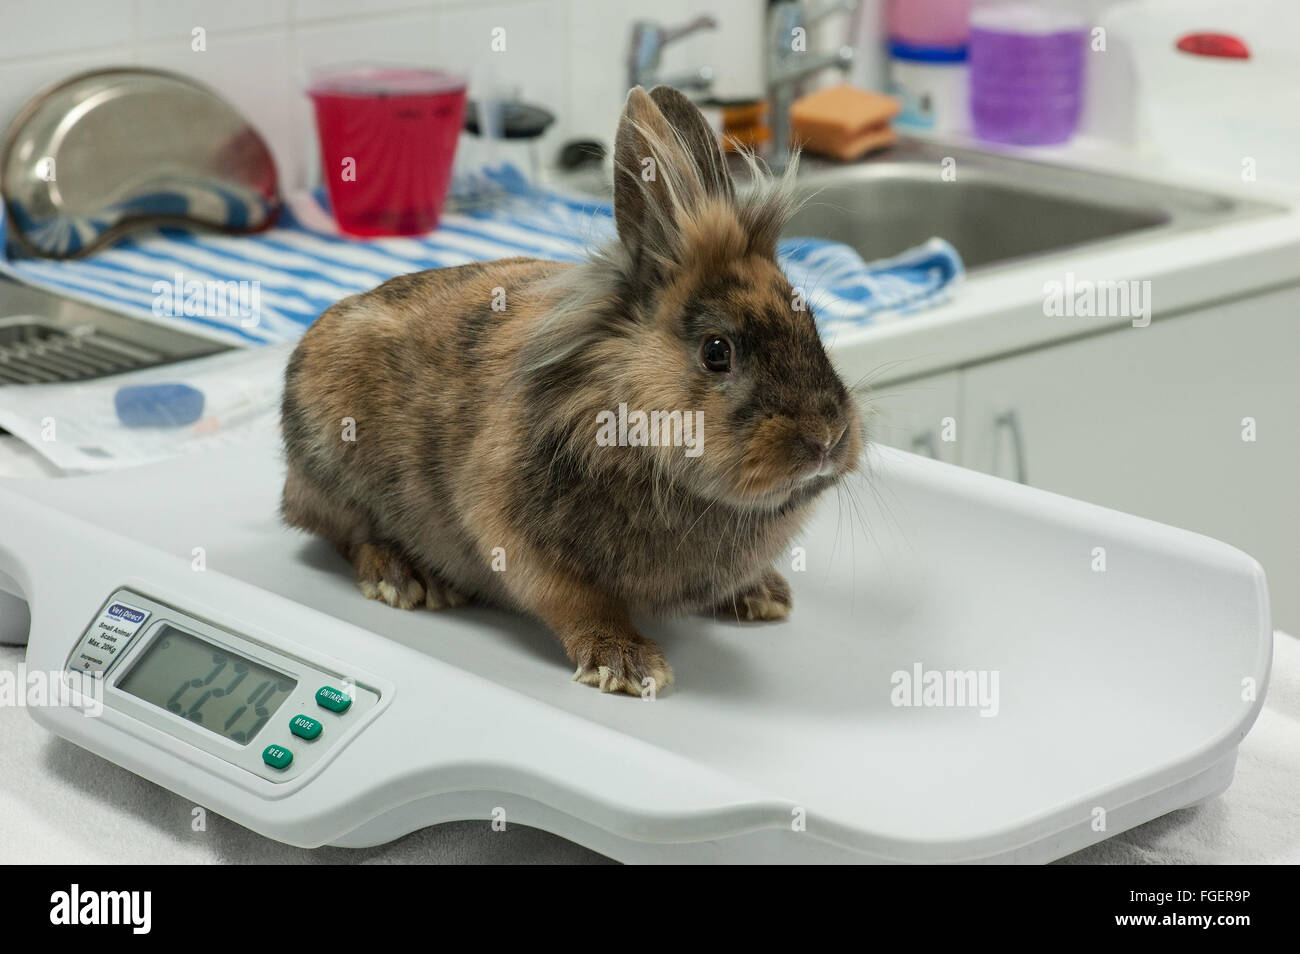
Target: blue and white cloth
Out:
[303,265]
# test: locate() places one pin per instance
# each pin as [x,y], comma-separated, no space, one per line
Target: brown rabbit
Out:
[453,451]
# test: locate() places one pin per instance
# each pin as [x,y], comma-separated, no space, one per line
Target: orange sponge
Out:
[746,137]
[843,122]
[744,126]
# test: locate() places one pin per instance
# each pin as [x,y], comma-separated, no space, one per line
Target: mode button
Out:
[304,727]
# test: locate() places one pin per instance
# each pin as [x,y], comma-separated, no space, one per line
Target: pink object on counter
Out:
[387,140]
[1214,44]
[929,22]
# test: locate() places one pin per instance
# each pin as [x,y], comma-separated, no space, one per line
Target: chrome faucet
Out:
[647,46]
[789,63]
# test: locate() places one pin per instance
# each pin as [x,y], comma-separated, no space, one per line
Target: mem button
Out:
[332,699]
[277,756]
[304,727]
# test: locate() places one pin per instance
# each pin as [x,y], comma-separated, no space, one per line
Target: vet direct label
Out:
[127,614]
[107,637]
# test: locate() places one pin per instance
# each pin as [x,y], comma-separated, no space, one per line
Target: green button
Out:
[277,756]
[332,699]
[304,727]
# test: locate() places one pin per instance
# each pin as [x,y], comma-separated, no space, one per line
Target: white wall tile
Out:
[600,31]
[535,58]
[405,39]
[305,11]
[29,28]
[174,19]
[599,35]
[534,66]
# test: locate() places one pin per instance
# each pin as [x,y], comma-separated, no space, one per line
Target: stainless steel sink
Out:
[997,210]
[46,338]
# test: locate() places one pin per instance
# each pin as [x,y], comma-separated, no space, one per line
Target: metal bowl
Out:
[109,151]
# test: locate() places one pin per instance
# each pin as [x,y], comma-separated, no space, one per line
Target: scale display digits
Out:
[208,685]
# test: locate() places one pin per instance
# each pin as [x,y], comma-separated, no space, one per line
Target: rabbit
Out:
[450,451]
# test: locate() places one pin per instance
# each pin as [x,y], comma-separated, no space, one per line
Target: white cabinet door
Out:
[922,415]
[1151,421]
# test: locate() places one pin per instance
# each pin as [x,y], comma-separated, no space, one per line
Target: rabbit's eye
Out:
[715,353]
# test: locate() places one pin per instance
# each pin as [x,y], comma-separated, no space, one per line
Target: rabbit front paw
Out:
[439,594]
[767,599]
[385,575]
[621,663]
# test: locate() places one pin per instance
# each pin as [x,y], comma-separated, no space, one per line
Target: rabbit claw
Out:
[620,664]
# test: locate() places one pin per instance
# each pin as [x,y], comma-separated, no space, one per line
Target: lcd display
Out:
[210,686]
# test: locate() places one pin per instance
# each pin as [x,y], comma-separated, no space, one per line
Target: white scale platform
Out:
[1119,691]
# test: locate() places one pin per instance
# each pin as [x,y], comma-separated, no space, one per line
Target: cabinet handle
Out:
[924,444]
[1010,421]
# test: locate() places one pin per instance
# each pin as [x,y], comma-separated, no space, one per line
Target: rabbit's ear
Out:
[667,163]
[700,141]
[646,159]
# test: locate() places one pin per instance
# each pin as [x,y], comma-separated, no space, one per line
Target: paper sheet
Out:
[76,427]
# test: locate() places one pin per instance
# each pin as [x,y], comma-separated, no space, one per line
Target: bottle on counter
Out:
[928,63]
[1027,70]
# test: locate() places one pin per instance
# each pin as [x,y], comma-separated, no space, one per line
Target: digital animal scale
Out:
[957,682]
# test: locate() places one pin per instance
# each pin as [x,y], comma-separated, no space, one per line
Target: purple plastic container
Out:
[1026,88]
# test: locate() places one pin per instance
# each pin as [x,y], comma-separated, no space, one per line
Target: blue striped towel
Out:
[302,266]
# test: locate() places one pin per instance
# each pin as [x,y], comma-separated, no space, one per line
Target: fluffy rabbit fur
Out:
[476,429]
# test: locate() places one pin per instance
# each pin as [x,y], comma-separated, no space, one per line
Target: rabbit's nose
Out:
[816,450]
[839,436]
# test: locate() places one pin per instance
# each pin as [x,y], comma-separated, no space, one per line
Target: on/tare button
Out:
[304,727]
[332,699]
[277,756]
